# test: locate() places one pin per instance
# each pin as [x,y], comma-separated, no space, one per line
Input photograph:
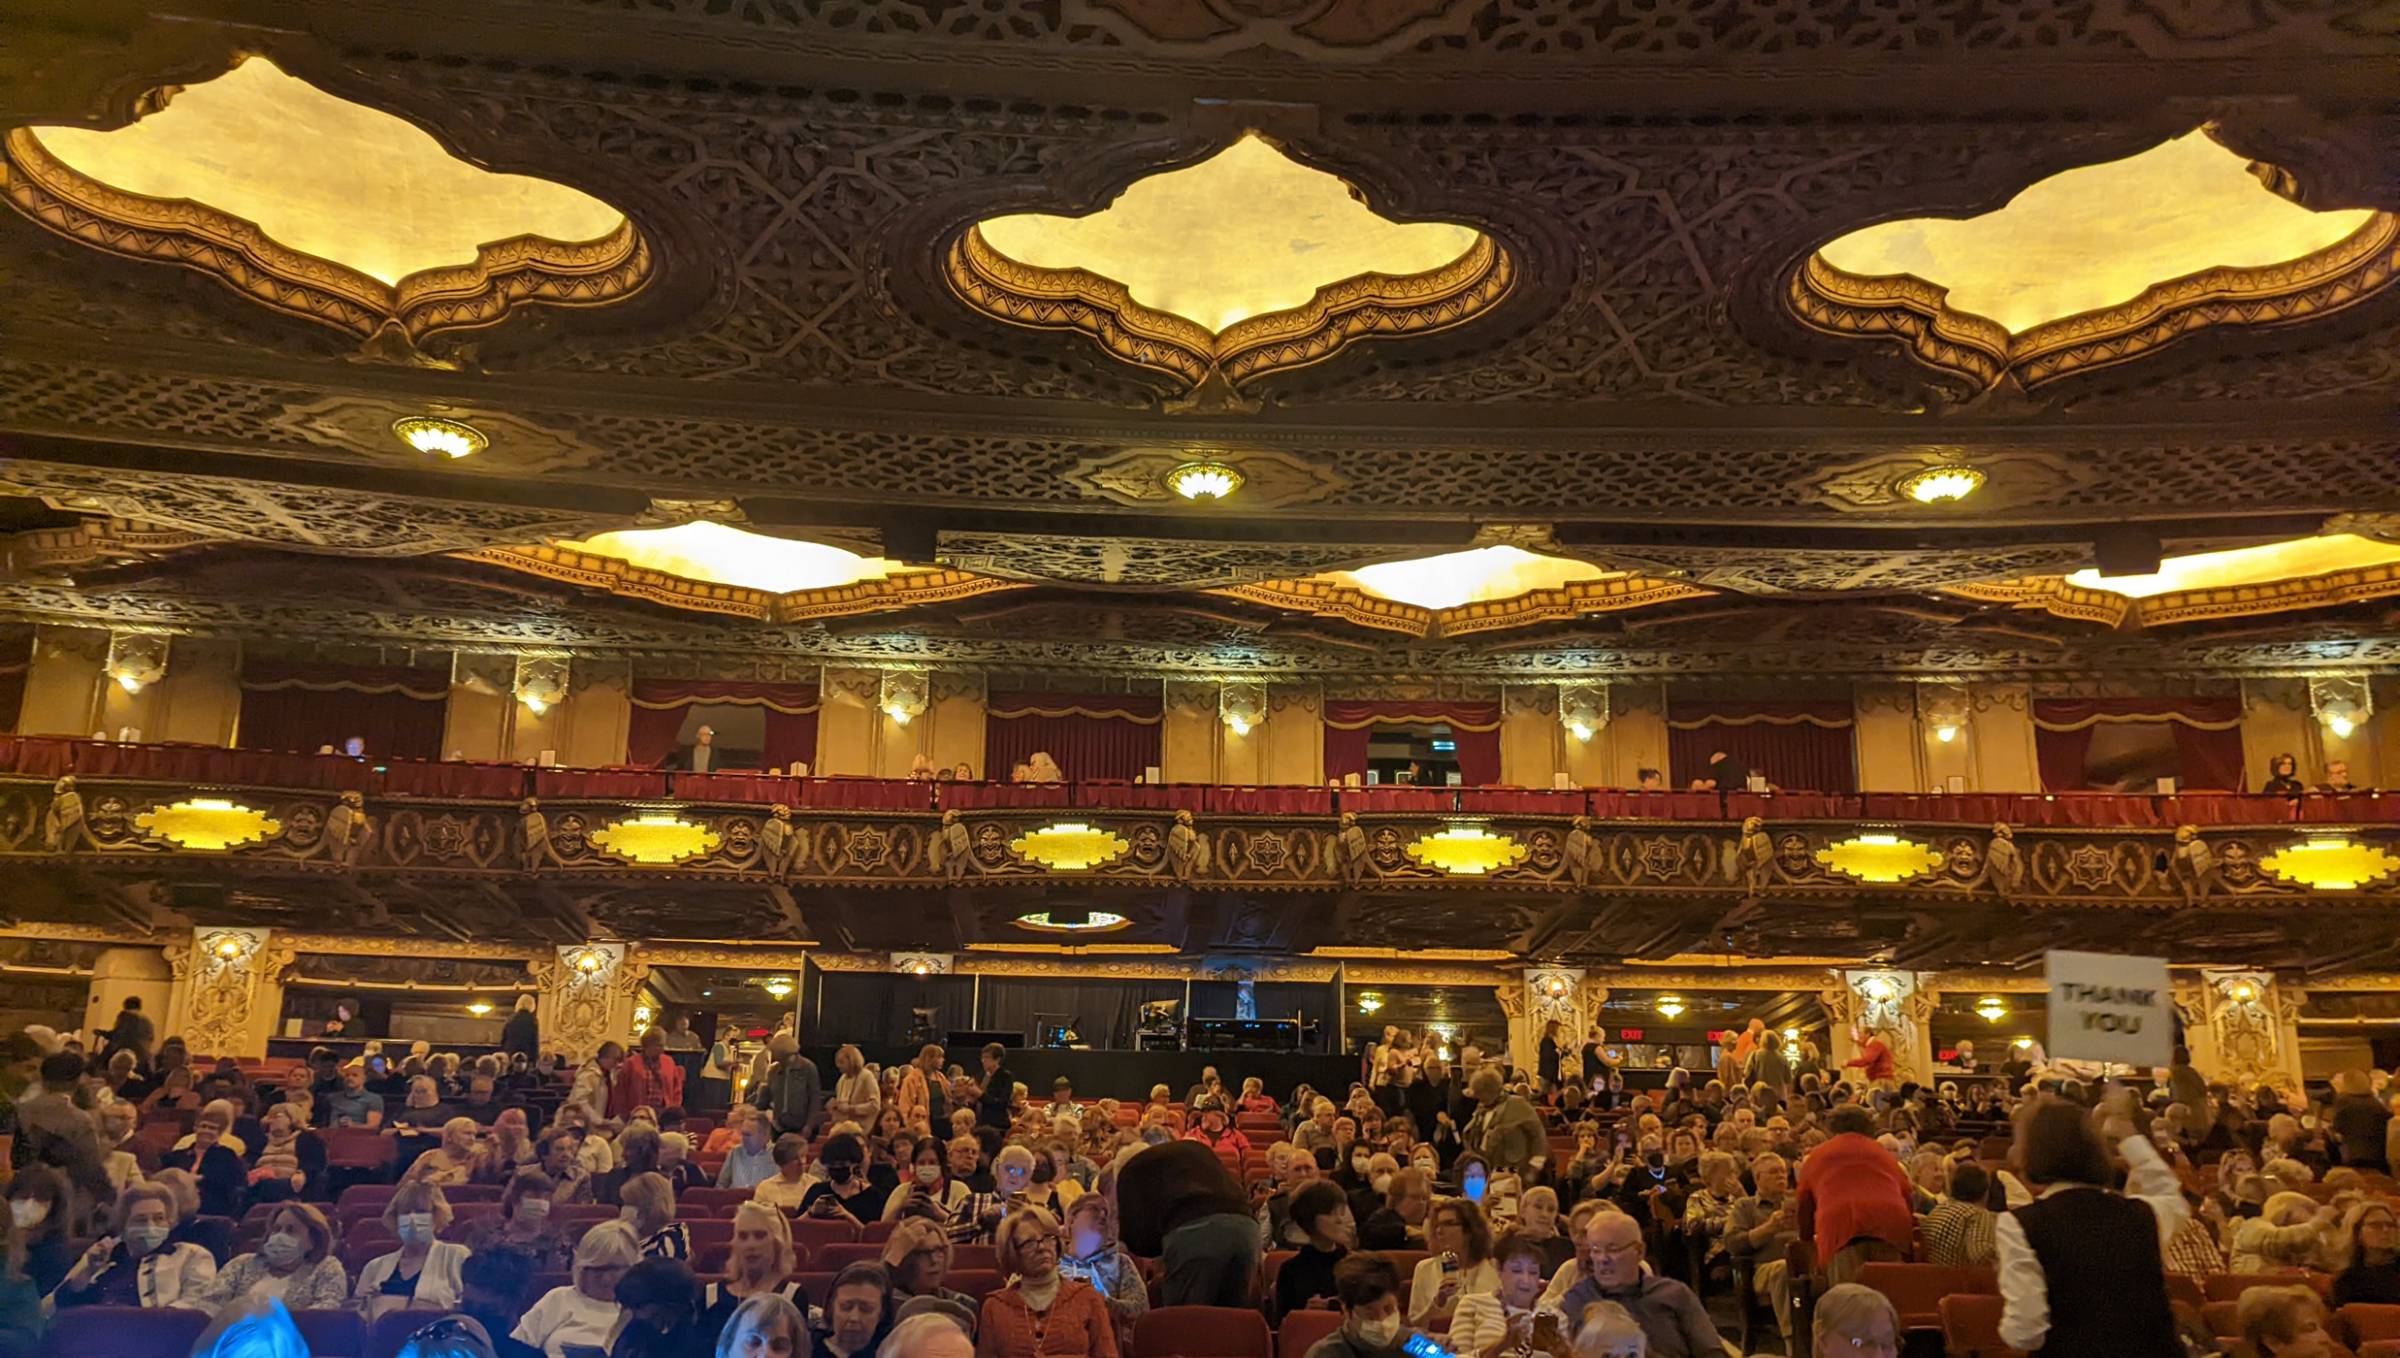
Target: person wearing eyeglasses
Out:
[1041,1314]
[1667,1311]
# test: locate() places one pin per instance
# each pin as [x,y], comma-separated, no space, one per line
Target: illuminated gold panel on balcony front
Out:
[1467,851]
[1880,858]
[211,824]
[2330,864]
[658,839]
[1072,847]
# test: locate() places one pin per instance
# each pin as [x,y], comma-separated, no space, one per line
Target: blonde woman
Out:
[855,1097]
[1041,1313]
[423,1272]
[583,1314]
[451,1163]
[649,1208]
[2291,1231]
[293,1264]
[761,1264]
[917,1254]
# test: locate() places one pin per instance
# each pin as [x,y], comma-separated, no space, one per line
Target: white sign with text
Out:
[2109,1008]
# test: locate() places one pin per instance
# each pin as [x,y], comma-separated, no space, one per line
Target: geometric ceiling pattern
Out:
[1651,347]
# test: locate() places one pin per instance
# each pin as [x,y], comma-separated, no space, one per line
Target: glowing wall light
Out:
[210,824]
[1879,858]
[1467,851]
[2330,864]
[1070,846]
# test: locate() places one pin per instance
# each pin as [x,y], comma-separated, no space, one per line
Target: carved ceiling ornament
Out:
[1270,479]
[1577,599]
[2057,596]
[588,570]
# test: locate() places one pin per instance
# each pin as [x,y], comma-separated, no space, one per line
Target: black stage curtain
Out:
[1307,1000]
[872,1008]
[1105,1012]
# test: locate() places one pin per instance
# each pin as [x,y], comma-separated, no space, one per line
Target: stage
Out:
[1128,1075]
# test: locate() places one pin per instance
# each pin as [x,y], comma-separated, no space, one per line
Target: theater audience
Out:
[917,1254]
[525,1223]
[424,1271]
[1669,1313]
[294,1264]
[762,1263]
[585,1311]
[791,1183]
[1368,1288]
[926,1188]
[135,1264]
[214,1161]
[1505,1315]
[2082,1267]
[1041,1312]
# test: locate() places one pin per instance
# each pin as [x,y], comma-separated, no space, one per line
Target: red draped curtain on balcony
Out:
[1350,724]
[2207,731]
[660,706]
[301,706]
[1798,744]
[1113,735]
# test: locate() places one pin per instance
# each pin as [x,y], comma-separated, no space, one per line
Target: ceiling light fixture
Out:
[479,1006]
[1202,481]
[1990,1009]
[1942,485]
[444,437]
[780,988]
[1579,731]
[1671,1005]
[1945,733]
[1369,1002]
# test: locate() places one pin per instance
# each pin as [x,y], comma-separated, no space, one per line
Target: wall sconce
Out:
[1583,709]
[1672,1006]
[922,964]
[1369,1002]
[587,960]
[137,659]
[1990,1009]
[228,947]
[903,695]
[541,682]
[479,1006]
[2342,702]
[1241,705]
[780,987]
[1942,707]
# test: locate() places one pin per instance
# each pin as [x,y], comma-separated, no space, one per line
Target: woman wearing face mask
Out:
[917,1254]
[39,1203]
[294,1265]
[765,1327]
[584,1314]
[287,1159]
[1041,1314]
[213,1160]
[524,1223]
[846,1191]
[134,1265]
[1460,1265]
[649,1208]
[926,1190]
[761,1265]
[1095,1257]
[423,1272]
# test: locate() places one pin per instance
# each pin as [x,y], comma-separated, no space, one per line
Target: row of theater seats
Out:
[1963,1305]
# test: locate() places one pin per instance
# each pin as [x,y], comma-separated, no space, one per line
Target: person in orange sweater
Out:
[1041,1314]
[1874,1060]
[1854,1198]
[648,1078]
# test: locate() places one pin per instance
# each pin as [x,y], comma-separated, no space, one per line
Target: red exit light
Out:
[1629,1034]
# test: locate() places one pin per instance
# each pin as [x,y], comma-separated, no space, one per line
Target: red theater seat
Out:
[1202,1332]
[1971,1328]
[122,1332]
[332,1334]
[1301,1330]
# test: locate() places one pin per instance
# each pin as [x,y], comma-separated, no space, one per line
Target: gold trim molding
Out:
[1907,310]
[523,270]
[1371,305]
[1351,604]
[621,578]
[2052,594]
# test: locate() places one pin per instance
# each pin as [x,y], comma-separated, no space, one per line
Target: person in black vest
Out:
[999,1089]
[2082,1267]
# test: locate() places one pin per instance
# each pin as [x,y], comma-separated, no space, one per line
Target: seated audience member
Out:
[844,1192]
[508,1149]
[288,1157]
[191,1228]
[1537,1224]
[1177,1203]
[1851,1320]
[1667,1311]
[423,1272]
[660,1302]
[649,1208]
[1368,1288]
[214,1160]
[751,1159]
[1762,1227]
[1958,1231]
[1400,1225]
[917,1255]
[2291,1231]
[1306,1279]
[1485,1321]
[2283,1322]
[525,1223]
[723,1137]
[1094,1256]
[762,1263]
[1216,1131]
[451,1163]
[422,1106]
[120,1155]
[2283,777]
[1461,1263]
[174,1092]
[858,1312]
[135,1264]
[1041,1312]
[492,1287]
[2371,1263]
[790,1185]
[353,1105]
[926,1188]
[40,1210]
[584,1312]
[767,1326]
[1709,1209]
[294,1264]
[675,1162]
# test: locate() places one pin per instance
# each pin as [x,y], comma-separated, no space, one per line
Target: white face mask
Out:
[28,1213]
[533,1209]
[1382,1333]
[1381,1183]
[281,1251]
[415,1228]
[145,1239]
[929,1175]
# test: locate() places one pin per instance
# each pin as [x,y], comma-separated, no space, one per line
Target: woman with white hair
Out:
[1610,1331]
[584,1313]
[451,1163]
[765,1326]
[675,1162]
[2292,1231]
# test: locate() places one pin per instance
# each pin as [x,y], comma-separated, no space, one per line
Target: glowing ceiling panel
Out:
[2297,559]
[1245,232]
[325,176]
[1478,575]
[2097,236]
[720,555]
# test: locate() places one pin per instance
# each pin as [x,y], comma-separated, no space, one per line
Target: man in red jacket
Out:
[648,1077]
[1854,1197]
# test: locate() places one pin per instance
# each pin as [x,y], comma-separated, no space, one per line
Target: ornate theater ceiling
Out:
[1448,336]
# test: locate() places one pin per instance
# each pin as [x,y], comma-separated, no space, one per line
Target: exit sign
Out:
[1629,1034]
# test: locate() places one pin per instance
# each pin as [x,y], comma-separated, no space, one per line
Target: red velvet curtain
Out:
[398,712]
[660,705]
[1475,727]
[1109,736]
[1801,745]
[2208,738]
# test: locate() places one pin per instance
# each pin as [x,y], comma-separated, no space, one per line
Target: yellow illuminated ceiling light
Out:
[720,555]
[324,176]
[442,437]
[2097,236]
[1942,485]
[1467,851]
[1246,232]
[2330,864]
[212,824]
[1880,858]
[2299,558]
[1085,922]
[1204,481]
[1477,575]
[1991,1009]
[1071,847]
[1670,1005]
[658,837]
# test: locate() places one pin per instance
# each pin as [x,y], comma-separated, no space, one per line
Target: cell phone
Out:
[1420,1346]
